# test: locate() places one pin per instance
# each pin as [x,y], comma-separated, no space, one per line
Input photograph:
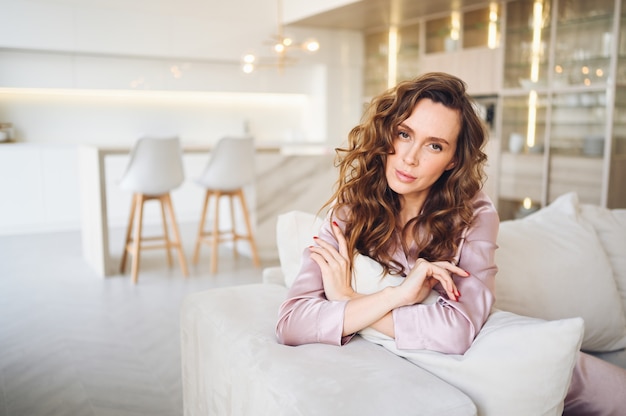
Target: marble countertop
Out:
[300,148]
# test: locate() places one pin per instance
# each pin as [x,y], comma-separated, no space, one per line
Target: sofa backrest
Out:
[556,263]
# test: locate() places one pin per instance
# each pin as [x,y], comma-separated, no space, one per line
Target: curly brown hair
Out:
[369,208]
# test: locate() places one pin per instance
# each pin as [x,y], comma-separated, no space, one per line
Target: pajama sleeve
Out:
[448,326]
[307,316]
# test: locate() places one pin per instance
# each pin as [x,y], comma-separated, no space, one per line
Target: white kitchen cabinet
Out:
[39,185]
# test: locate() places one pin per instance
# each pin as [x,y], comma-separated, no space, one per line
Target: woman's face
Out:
[425,145]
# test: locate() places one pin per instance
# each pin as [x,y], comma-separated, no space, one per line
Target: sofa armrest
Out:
[274,275]
[233,365]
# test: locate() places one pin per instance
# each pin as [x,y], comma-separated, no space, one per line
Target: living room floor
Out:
[72,343]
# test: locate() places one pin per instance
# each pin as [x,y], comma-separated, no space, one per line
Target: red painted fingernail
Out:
[335,223]
[315,237]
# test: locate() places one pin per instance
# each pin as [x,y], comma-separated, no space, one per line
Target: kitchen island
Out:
[294,176]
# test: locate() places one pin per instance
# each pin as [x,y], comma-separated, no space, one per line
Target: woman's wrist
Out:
[351,294]
[394,297]
[343,295]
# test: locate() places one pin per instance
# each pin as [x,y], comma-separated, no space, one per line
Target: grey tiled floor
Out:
[72,343]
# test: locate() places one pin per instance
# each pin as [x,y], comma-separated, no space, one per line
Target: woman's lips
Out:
[404,177]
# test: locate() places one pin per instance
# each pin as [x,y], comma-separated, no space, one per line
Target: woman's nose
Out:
[411,156]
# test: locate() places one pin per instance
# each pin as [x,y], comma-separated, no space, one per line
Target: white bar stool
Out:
[154,170]
[230,168]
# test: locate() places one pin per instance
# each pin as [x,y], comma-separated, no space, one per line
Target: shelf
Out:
[585,60]
[576,24]
[526,31]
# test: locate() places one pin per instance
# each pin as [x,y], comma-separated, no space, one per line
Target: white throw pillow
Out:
[610,225]
[516,365]
[552,266]
[294,233]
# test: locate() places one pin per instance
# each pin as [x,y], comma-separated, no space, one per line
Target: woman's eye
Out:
[436,146]
[403,134]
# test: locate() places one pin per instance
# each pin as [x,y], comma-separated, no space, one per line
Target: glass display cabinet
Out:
[406,55]
[616,193]
[408,52]
[563,103]
[376,57]
[616,189]
[480,27]
[527,43]
[441,35]
[522,163]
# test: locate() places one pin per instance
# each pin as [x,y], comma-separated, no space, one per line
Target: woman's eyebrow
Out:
[439,139]
[435,138]
[405,127]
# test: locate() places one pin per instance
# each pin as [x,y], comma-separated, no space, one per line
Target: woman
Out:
[410,185]
[409,197]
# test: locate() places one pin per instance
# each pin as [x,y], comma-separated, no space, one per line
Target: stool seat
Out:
[154,170]
[229,170]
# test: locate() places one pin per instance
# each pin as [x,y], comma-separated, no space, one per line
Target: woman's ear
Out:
[451,165]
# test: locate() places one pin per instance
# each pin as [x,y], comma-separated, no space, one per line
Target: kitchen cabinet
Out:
[563,104]
[39,188]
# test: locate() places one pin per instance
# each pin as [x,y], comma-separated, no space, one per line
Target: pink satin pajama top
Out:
[306,316]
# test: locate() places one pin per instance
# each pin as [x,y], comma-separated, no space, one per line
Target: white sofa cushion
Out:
[527,361]
[294,233]
[552,266]
[233,365]
[516,366]
[610,225]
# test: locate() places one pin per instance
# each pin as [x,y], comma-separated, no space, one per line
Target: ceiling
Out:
[244,15]
[368,15]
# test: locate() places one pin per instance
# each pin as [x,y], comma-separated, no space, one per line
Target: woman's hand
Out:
[424,276]
[335,266]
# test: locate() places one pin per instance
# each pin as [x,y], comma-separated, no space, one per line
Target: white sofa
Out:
[563,263]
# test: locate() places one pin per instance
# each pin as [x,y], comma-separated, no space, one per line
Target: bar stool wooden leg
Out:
[216,233]
[250,237]
[141,198]
[178,242]
[166,236]
[129,230]
[205,207]
[233,224]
